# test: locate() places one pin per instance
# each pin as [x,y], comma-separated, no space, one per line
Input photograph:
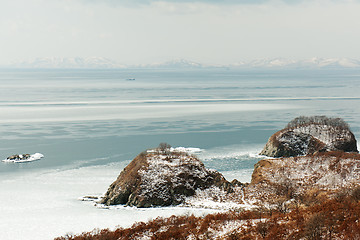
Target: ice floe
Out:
[21,158]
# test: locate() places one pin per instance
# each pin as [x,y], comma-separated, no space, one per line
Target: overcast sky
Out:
[147,31]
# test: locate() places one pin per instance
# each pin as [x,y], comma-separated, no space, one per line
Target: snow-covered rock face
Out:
[304,179]
[310,138]
[328,171]
[159,178]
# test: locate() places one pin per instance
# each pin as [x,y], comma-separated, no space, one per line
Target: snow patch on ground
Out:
[216,198]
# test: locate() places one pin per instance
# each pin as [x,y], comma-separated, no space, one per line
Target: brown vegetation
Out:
[320,120]
[338,155]
[292,205]
[336,218]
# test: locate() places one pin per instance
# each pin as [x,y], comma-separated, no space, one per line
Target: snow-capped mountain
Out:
[105,63]
[177,63]
[76,62]
[274,63]
[313,63]
[268,63]
[332,62]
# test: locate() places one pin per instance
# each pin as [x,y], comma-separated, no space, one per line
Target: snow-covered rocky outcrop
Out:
[307,135]
[330,170]
[293,177]
[162,177]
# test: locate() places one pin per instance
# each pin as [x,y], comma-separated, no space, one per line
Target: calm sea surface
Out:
[90,123]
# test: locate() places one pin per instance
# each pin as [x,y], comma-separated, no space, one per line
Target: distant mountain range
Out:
[104,63]
[308,63]
[68,63]
[178,63]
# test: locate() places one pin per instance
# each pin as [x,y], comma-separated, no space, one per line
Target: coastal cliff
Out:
[315,196]
[307,197]
[307,135]
[304,178]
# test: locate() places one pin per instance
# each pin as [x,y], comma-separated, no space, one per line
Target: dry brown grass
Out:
[336,218]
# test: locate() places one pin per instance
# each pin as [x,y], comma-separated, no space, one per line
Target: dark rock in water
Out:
[89,198]
[19,157]
[307,135]
[162,178]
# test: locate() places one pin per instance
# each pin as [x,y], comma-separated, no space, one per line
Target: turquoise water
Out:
[90,123]
[95,117]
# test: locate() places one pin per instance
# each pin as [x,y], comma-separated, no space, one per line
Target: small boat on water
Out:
[130,79]
[20,158]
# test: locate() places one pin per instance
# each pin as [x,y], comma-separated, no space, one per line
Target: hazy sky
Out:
[146,31]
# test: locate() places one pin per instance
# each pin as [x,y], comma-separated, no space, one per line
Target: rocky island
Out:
[307,135]
[22,158]
[162,177]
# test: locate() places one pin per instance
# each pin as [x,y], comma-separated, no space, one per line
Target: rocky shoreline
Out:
[316,161]
[314,155]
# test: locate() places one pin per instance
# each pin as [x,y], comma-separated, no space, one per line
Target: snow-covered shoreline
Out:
[52,197]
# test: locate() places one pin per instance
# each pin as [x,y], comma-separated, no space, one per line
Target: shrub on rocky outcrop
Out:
[162,177]
[307,135]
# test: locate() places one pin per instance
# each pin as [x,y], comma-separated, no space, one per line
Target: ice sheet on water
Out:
[232,158]
[232,152]
[181,149]
[187,149]
[242,175]
[45,204]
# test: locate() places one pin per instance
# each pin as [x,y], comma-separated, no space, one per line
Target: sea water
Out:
[89,124]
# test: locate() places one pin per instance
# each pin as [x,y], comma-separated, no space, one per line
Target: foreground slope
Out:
[315,196]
